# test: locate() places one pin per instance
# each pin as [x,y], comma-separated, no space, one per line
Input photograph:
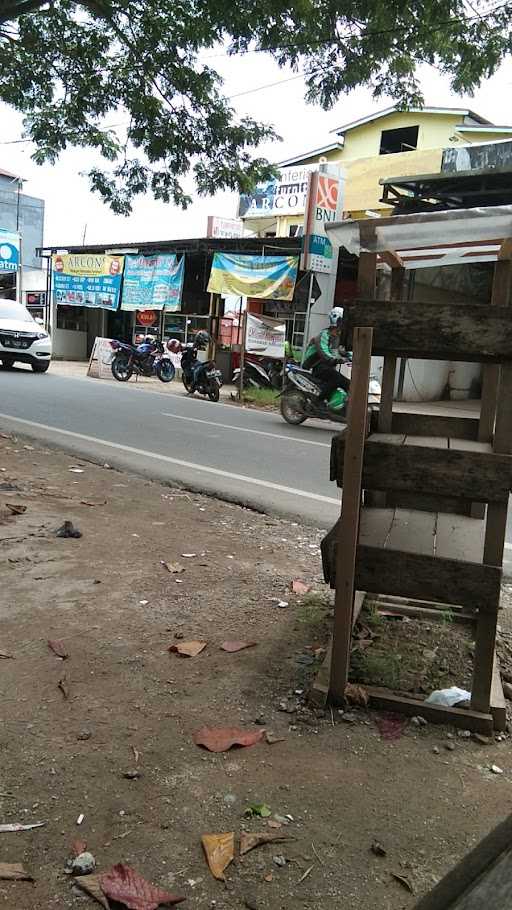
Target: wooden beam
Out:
[437,714]
[505,250]
[348,530]
[442,331]
[475,476]
[416,424]
[392,259]
[498,703]
[367,275]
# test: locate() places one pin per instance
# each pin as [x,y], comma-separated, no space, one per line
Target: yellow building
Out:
[389,143]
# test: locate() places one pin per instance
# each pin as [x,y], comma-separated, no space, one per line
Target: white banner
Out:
[284,195]
[265,336]
[101,358]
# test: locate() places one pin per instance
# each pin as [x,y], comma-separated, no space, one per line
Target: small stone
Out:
[507,690]
[464,734]
[84,735]
[436,750]
[349,718]
[279,860]
[496,769]
[83,864]
[260,721]
[450,747]
[178,635]
[282,706]
[422,721]
[132,775]
[450,736]
[230,798]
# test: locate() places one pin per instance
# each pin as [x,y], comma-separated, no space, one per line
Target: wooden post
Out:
[348,525]
[242,357]
[501,287]
[367,275]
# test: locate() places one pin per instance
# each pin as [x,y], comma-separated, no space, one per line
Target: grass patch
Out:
[313,609]
[261,398]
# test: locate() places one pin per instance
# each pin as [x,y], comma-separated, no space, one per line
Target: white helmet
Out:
[336,315]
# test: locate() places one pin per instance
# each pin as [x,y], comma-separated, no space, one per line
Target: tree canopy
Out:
[128,78]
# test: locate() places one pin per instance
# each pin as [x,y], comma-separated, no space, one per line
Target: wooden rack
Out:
[417,472]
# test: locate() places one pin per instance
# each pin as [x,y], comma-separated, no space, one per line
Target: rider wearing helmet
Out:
[323,354]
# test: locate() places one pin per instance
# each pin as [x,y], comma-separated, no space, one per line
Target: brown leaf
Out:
[268,877]
[5,656]
[273,738]
[188,648]
[63,686]
[250,841]
[220,739]
[175,568]
[86,502]
[219,850]
[15,508]
[78,847]
[14,872]
[58,647]
[123,884]
[299,587]
[232,646]
[92,886]
[271,822]
[356,695]
[403,881]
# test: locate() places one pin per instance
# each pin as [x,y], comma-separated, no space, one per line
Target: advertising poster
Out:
[284,195]
[264,277]
[9,251]
[265,336]
[87,279]
[153,282]
[323,207]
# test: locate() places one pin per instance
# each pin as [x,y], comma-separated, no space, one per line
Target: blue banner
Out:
[87,279]
[153,282]
[9,251]
[267,277]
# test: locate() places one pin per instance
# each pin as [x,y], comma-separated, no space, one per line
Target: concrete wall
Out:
[68,345]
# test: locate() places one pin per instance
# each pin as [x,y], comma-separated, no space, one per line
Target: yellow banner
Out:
[85,265]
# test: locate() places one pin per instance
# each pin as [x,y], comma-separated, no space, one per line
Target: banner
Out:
[264,277]
[9,251]
[265,336]
[323,206]
[101,359]
[87,279]
[284,195]
[153,282]
[224,228]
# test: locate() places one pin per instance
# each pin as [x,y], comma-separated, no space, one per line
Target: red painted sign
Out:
[146,317]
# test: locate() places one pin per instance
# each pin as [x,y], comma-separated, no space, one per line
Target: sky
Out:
[73,211]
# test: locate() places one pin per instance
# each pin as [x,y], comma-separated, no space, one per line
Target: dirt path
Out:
[134,706]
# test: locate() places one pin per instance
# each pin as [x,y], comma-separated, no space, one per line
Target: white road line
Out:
[177,461]
[228,426]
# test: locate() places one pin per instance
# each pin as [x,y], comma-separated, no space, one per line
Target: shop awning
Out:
[430,239]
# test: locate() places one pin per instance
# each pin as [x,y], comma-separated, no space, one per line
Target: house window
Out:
[401,140]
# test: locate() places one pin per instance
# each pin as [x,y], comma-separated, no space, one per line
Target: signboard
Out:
[9,251]
[146,317]
[87,279]
[153,282]
[264,277]
[224,228]
[265,336]
[323,207]
[285,195]
[100,361]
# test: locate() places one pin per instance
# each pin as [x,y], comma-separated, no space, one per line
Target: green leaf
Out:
[258,809]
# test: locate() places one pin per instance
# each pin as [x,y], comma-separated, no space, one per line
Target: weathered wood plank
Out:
[415,423]
[459,538]
[412,532]
[348,531]
[475,476]
[430,503]
[475,871]
[436,714]
[498,703]
[427,578]
[439,331]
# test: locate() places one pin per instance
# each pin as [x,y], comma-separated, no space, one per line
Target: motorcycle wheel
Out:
[187,383]
[165,370]
[213,391]
[292,409]
[121,368]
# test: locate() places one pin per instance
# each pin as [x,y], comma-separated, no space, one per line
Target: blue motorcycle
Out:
[145,359]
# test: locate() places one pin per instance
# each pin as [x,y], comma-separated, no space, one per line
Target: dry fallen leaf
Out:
[268,877]
[356,695]
[250,841]
[220,739]
[299,587]
[86,502]
[58,647]
[14,872]
[5,656]
[175,568]
[403,881]
[273,738]
[219,850]
[78,847]
[271,822]
[91,885]
[232,646]
[63,686]
[15,508]
[188,648]
[123,884]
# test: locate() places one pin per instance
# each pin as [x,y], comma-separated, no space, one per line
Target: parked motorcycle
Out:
[145,359]
[301,397]
[197,376]
[260,374]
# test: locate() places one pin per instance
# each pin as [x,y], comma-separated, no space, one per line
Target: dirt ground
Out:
[132,705]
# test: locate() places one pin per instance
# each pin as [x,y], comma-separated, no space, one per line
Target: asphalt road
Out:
[249,456]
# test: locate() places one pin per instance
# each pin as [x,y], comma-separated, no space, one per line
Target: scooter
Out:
[260,374]
[145,359]
[301,397]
